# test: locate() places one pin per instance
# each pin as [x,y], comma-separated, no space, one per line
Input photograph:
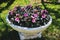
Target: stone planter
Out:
[27,33]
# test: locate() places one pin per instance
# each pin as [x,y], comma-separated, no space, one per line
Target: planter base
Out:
[26,36]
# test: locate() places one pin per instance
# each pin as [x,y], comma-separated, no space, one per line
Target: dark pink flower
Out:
[33,20]
[35,15]
[25,14]
[44,11]
[11,12]
[28,7]
[17,19]
[43,15]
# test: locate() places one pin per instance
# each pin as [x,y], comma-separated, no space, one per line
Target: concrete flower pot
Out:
[27,33]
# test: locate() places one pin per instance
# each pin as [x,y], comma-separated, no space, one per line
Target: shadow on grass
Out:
[13,35]
[3,1]
[8,4]
[56,13]
[6,31]
[54,20]
[1,19]
[3,29]
[56,3]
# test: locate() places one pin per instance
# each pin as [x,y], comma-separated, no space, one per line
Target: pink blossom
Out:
[35,15]
[43,15]
[33,20]
[44,11]
[11,12]
[25,14]
[17,19]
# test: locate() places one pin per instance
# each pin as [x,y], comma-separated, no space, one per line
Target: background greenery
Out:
[52,32]
[52,0]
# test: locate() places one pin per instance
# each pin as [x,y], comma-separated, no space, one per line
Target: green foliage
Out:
[52,0]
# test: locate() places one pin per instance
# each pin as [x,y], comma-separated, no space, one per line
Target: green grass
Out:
[53,31]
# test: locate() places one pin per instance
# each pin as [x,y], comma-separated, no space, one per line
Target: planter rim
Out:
[26,28]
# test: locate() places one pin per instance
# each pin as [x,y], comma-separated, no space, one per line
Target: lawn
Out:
[51,33]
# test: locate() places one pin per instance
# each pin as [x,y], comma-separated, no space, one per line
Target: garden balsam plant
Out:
[28,16]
